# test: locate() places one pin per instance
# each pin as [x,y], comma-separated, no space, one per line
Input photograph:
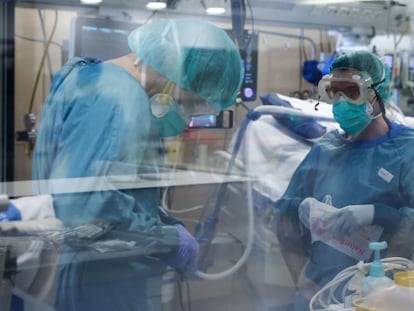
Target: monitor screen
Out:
[389,60]
[411,62]
[203,121]
[100,38]
[248,48]
[411,68]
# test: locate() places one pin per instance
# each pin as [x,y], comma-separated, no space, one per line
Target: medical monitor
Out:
[409,71]
[104,38]
[389,60]
[248,48]
[99,38]
[411,68]
[224,120]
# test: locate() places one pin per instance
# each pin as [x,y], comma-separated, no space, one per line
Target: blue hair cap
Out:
[195,55]
[370,64]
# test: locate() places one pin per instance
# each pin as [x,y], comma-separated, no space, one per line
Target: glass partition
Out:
[150,157]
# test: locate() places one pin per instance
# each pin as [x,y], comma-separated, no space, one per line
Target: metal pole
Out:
[7,47]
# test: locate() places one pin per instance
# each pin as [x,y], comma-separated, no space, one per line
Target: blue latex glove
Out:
[12,213]
[350,218]
[185,258]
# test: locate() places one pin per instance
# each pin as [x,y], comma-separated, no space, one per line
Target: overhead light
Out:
[156,5]
[215,11]
[91,1]
[214,7]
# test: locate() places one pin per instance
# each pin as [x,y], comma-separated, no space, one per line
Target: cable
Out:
[39,41]
[212,219]
[188,294]
[42,23]
[188,210]
[150,17]
[279,110]
[391,264]
[209,224]
[45,52]
[251,14]
[246,253]
[180,295]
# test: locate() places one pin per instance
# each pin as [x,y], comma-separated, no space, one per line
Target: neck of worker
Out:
[153,81]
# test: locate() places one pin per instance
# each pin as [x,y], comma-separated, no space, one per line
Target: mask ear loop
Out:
[165,93]
[170,89]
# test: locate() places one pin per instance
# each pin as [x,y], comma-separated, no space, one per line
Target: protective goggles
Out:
[353,87]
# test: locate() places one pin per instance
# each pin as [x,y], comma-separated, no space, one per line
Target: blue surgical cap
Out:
[370,64]
[195,55]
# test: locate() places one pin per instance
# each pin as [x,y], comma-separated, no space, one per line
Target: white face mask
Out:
[173,112]
[168,114]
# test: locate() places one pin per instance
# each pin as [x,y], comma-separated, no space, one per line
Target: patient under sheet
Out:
[271,149]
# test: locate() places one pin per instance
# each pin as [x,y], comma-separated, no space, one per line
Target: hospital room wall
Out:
[278,71]
[28,57]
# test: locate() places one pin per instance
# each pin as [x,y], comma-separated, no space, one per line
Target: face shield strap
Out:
[374,85]
[379,99]
[382,106]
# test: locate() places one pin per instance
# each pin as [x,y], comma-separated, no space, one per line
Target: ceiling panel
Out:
[334,14]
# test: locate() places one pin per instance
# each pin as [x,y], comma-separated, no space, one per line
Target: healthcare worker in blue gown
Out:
[362,175]
[108,118]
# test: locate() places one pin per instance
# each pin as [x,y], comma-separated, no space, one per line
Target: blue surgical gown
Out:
[97,122]
[379,172]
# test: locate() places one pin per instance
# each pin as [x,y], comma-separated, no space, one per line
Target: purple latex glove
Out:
[185,258]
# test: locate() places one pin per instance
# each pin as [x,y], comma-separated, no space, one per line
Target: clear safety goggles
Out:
[353,87]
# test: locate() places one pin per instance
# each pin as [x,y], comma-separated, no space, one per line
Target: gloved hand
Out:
[10,214]
[350,218]
[305,207]
[185,258]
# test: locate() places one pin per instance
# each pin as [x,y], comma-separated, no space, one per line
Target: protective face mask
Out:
[352,118]
[167,116]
